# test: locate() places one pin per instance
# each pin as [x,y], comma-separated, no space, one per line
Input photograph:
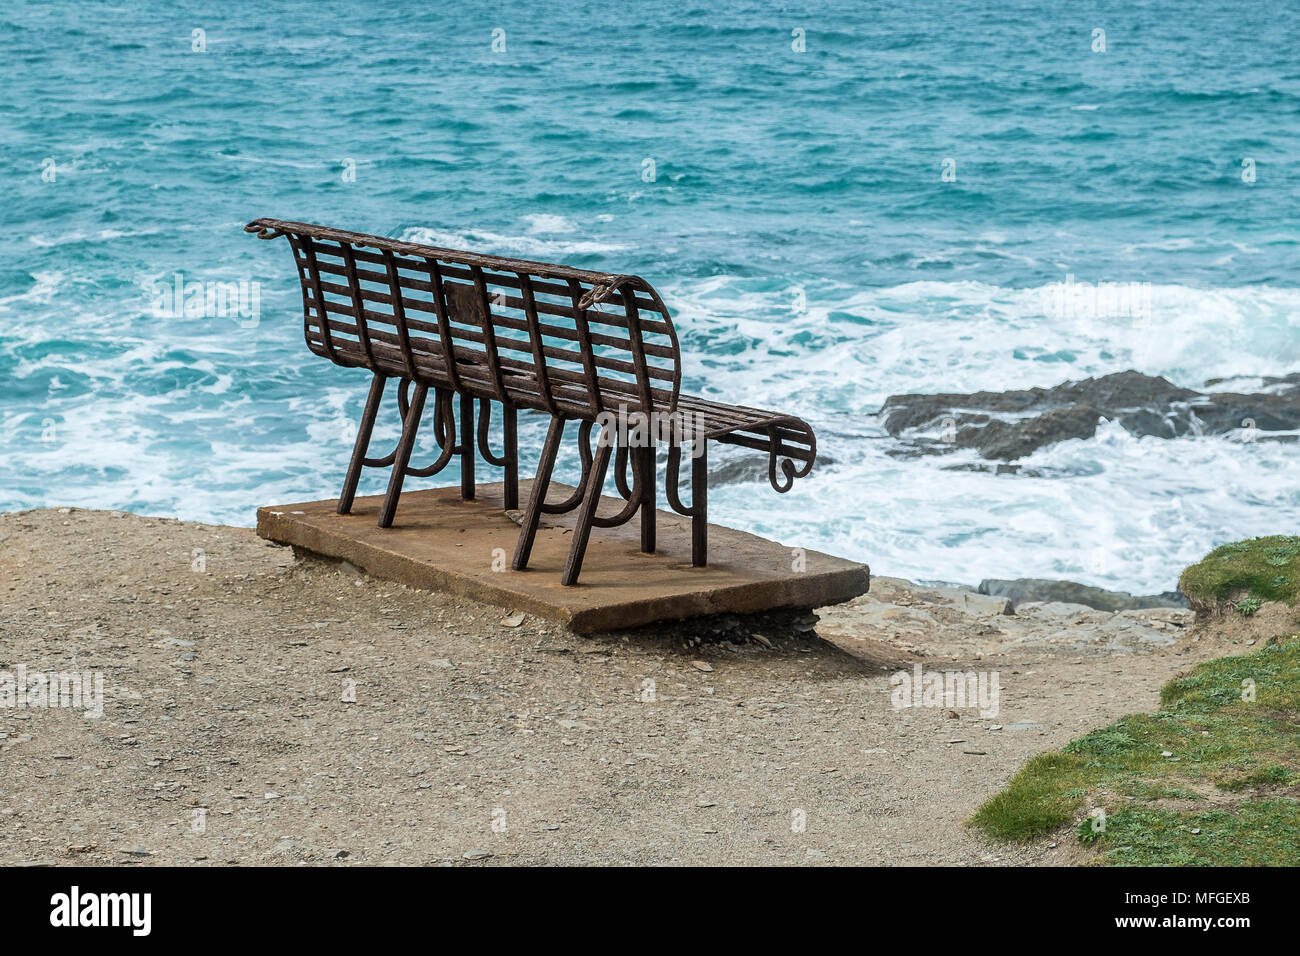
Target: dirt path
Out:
[223,702]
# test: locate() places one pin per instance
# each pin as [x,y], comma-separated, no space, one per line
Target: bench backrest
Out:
[530,334]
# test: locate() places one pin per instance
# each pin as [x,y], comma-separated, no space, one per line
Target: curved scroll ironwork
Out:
[633,494]
[672,481]
[263,230]
[484,446]
[777,451]
[620,471]
[443,429]
[575,499]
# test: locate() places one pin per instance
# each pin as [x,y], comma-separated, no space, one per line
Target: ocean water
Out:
[887,209]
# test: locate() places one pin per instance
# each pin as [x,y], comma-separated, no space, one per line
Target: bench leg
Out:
[402,456]
[586,512]
[700,505]
[511,434]
[537,497]
[466,447]
[362,445]
[649,498]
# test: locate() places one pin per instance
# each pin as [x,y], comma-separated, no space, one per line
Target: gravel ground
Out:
[477,737]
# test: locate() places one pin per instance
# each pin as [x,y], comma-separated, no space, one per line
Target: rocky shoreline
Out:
[965,624]
[1027,590]
[1007,426]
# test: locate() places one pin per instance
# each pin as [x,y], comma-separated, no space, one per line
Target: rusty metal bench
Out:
[590,347]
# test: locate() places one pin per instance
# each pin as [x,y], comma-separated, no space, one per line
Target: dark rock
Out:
[1008,441]
[1125,390]
[1224,411]
[1070,592]
[1010,425]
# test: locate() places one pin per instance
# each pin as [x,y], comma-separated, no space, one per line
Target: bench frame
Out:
[353,334]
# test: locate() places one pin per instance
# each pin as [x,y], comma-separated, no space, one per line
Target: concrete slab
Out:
[442,543]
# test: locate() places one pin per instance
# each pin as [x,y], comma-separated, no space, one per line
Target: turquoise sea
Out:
[838,201]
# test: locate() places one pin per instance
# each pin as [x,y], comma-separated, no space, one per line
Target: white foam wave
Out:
[545,222]
[173,428]
[971,336]
[1131,513]
[532,246]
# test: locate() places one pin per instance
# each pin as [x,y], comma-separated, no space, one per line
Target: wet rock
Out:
[1012,440]
[1009,425]
[1025,590]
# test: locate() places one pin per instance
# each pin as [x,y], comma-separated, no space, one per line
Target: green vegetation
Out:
[1212,778]
[1248,606]
[1253,833]
[1246,573]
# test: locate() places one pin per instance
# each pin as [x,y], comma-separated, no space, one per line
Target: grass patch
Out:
[1252,833]
[1229,730]
[1039,799]
[1261,569]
